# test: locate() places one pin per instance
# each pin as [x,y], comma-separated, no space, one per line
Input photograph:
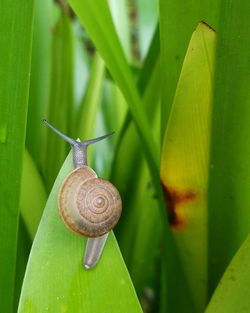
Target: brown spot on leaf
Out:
[174,199]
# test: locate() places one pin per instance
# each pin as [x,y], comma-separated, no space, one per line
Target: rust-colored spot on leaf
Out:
[174,199]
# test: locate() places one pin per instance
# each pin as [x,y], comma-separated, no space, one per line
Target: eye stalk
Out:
[79,147]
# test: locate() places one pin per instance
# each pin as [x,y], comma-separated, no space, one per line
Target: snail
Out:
[88,205]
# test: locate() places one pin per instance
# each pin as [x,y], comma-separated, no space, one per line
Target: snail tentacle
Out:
[79,148]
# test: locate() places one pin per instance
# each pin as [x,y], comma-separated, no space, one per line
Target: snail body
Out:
[88,205]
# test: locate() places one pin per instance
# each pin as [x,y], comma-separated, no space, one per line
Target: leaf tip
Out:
[203,24]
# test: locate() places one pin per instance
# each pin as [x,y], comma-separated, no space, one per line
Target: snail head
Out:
[79,147]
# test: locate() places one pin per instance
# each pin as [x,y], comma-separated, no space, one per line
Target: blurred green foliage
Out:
[176,92]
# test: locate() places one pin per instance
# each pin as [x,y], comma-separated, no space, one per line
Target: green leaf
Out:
[134,182]
[23,249]
[150,60]
[178,19]
[87,115]
[185,160]
[81,58]
[61,97]
[15,57]
[110,117]
[134,179]
[96,19]
[141,201]
[33,195]
[120,16]
[146,19]
[229,197]
[232,293]
[94,16]
[40,80]
[55,279]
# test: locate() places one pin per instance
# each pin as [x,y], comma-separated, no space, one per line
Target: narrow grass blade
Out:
[144,235]
[128,141]
[110,116]
[229,197]
[185,160]
[87,116]
[145,230]
[114,107]
[23,249]
[15,57]
[55,280]
[86,119]
[81,63]
[147,74]
[150,60]
[94,15]
[120,16]
[232,293]
[147,19]
[131,178]
[40,80]
[33,195]
[61,95]
[178,19]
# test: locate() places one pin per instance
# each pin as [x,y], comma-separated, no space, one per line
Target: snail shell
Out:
[88,205]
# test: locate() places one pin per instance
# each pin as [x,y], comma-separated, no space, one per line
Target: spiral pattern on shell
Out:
[88,205]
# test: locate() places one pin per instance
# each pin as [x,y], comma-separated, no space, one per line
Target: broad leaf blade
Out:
[55,279]
[233,292]
[177,21]
[16,24]
[185,157]
[229,197]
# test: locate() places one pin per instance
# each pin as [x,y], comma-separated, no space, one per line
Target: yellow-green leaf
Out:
[233,292]
[177,21]
[185,158]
